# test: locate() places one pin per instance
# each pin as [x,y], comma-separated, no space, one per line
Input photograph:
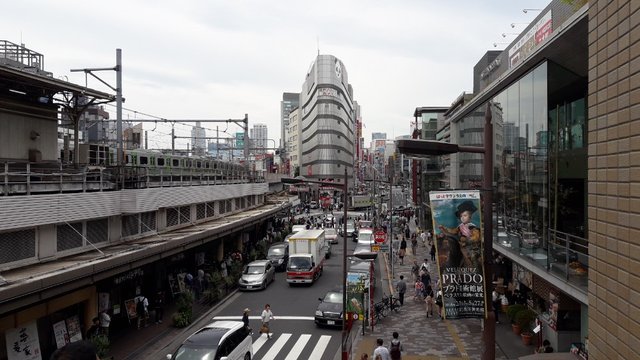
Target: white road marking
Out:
[276,347]
[257,344]
[239,318]
[321,346]
[297,348]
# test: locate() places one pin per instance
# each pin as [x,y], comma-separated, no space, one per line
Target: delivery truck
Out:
[360,201]
[307,253]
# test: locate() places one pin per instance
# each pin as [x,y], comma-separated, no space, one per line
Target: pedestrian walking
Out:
[415,270]
[380,351]
[266,317]
[395,349]
[245,320]
[94,330]
[440,304]
[429,300]
[105,321]
[142,310]
[401,286]
[414,245]
[158,306]
[419,290]
[403,250]
[432,252]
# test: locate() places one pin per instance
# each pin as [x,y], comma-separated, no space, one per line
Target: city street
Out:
[294,333]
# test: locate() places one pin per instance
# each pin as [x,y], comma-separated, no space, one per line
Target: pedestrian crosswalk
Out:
[286,346]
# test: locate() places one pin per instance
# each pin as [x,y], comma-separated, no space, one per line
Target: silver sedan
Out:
[257,275]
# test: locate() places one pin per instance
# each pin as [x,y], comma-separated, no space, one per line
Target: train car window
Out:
[152,160]
[127,159]
[199,164]
[189,163]
[175,162]
[160,161]
[207,165]
[144,160]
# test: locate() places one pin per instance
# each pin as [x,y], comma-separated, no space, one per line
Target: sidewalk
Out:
[432,338]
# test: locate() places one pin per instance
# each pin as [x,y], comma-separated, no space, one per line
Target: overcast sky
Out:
[221,59]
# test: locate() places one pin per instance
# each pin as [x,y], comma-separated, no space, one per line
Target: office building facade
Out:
[327,121]
[289,102]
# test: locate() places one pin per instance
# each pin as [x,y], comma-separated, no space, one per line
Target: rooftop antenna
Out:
[318,44]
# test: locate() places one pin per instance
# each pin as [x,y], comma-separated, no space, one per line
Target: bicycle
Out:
[391,303]
[379,312]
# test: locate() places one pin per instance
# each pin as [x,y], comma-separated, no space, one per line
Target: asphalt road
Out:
[294,333]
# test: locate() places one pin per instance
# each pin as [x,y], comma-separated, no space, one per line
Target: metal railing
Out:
[562,254]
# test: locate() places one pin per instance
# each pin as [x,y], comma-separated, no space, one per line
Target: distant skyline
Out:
[222,59]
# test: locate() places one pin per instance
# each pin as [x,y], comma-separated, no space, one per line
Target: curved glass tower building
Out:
[327,120]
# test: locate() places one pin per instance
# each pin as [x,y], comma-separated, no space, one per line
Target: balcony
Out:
[563,256]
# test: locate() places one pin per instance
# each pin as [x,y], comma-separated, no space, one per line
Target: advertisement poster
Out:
[73,327]
[529,42]
[23,343]
[130,305]
[103,302]
[355,293]
[458,231]
[61,334]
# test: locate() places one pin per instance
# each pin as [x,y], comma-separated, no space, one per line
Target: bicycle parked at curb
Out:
[391,303]
[379,312]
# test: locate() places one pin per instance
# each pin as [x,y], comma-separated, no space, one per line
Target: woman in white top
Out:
[267,316]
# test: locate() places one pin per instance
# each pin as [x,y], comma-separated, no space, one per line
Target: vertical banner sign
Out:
[458,229]
[355,293]
[23,343]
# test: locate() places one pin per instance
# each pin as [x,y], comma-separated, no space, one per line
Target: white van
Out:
[224,340]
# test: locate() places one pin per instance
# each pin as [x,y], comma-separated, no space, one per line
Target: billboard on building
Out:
[525,46]
[458,231]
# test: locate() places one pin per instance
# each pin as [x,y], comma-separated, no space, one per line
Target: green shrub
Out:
[524,319]
[101,343]
[184,315]
[513,310]
[180,320]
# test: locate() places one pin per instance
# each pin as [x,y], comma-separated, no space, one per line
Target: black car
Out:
[329,311]
[278,254]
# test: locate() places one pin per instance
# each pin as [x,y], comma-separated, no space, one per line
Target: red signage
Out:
[380,236]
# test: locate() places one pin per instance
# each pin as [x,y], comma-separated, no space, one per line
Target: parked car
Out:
[331,235]
[365,236]
[329,311]
[221,339]
[257,275]
[278,254]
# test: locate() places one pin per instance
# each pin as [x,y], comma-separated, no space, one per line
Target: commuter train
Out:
[167,167]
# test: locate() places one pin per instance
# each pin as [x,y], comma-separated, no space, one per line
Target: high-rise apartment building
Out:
[198,139]
[259,136]
[327,118]
[289,102]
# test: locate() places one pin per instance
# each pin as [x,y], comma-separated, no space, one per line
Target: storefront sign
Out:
[73,327]
[133,274]
[459,246]
[530,41]
[23,343]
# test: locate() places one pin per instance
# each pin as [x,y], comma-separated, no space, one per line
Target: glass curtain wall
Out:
[522,172]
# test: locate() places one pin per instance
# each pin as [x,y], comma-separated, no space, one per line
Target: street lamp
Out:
[421,148]
[301,179]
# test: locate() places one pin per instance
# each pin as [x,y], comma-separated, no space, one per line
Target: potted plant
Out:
[512,311]
[524,319]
